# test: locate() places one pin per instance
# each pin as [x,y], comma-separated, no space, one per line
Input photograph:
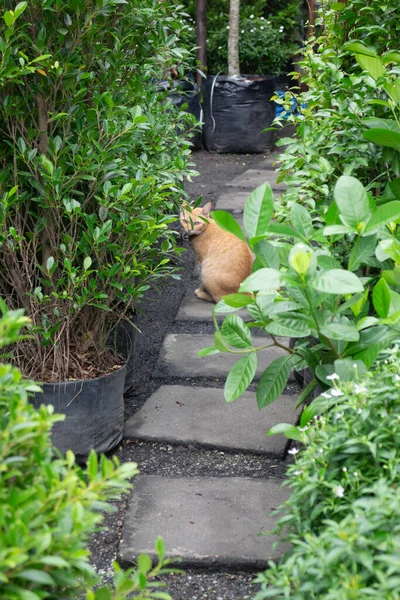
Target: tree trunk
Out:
[233,40]
[201,37]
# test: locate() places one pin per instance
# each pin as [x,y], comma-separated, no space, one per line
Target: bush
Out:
[50,506]
[343,515]
[92,168]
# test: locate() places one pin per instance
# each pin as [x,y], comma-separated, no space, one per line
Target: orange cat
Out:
[225,261]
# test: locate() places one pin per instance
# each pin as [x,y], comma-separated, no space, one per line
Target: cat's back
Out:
[223,250]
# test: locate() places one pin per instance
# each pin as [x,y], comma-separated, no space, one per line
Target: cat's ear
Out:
[205,211]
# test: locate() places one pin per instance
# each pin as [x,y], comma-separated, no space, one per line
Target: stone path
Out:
[212,522]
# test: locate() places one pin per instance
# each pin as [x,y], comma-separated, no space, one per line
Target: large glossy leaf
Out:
[240,377]
[301,220]
[235,332]
[362,250]
[359,47]
[352,200]
[287,326]
[226,221]
[258,210]
[381,298]
[273,381]
[263,279]
[376,123]
[371,64]
[349,369]
[339,331]
[385,214]
[337,281]
[237,300]
[383,137]
[267,254]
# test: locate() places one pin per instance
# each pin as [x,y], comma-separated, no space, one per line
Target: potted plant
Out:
[91,165]
[237,106]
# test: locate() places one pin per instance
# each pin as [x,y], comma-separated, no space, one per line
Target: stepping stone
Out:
[194,309]
[177,414]
[254,177]
[233,201]
[178,357]
[206,521]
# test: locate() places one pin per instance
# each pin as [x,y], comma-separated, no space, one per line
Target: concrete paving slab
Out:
[178,357]
[271,162]
[205,521]
[254,177]
[178,414]
[194,309]
[233,201]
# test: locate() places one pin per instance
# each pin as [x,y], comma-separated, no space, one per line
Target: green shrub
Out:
[50,506]
[92,165]
[343,517]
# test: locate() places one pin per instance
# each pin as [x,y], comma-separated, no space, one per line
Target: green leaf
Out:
[19,9]
[371,64]
[49,263]
[381,298]
[267,254]
[261,280]
[277,229]
[258,210]
[273,381]
[93,465]
[288,326]
[390,139]
[289,431]
[236,332]
[240,377]
[36,576]
[349,369]
[238,300]
[226,221]
[9,18]
[54,561]
[337,331]
[338,230]
[385,214]
[301,220]
[352,201]
[87,263]
[359,47]
[208,351]
[144,563]
[308,390]
[160,544]
[362,250]
[219,342]
[337,281]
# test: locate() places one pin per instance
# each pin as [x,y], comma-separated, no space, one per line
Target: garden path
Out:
[211,522]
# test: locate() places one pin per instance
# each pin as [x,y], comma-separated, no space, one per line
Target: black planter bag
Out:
[236,110]
[93,409]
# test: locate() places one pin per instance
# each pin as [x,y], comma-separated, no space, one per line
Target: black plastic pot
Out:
[236,110]
[94,410]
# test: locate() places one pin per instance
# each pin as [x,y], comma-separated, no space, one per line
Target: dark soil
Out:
[158,311]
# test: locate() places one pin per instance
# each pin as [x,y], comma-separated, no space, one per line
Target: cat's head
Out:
[192,222]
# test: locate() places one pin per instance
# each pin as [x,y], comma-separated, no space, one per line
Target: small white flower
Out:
[242,31]
[355,474]
[339,491]
[339,415]
[251,16]
[227,27]
[336,392]
[303,428]
[219,47]
[320,450]
[355,366]
[293,451]
[326,395]
[262,18]
[297,472]
[332,377]
[359,411]
[344,469]
[262,28]
[360,389]
[251,30]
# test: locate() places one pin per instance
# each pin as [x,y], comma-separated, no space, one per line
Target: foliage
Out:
[267,33]
[92,167]
[343,514]
[339,316]
[262,49]
[49,505]
[340,95]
